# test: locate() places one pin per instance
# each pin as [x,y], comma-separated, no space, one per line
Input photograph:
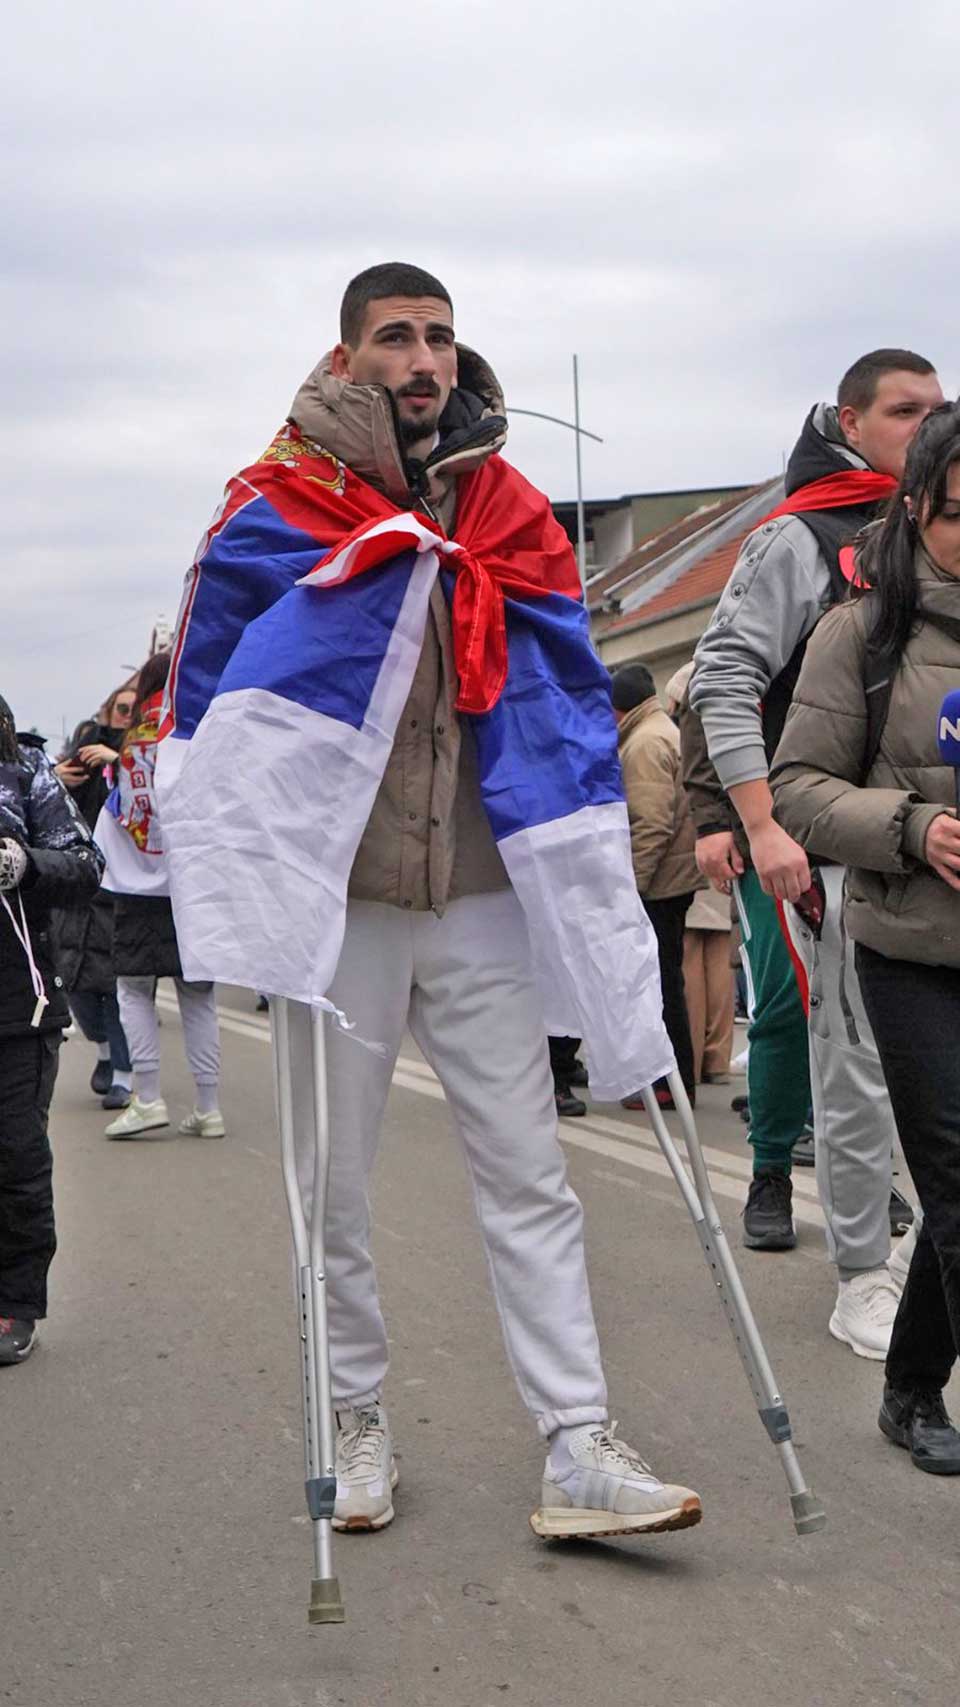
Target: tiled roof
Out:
[705,580]
[688,571]
[650,549]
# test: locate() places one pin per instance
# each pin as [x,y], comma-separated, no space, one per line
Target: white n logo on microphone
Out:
[949,731]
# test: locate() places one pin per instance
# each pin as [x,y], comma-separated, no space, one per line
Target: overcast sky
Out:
[717,205]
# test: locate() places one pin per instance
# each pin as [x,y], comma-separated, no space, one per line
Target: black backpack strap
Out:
[880,668]
[879,671]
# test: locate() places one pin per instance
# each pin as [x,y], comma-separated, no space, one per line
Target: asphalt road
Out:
[154,1549]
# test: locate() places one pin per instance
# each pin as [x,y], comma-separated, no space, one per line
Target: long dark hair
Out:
[887,562]
[151,679]
[9,749]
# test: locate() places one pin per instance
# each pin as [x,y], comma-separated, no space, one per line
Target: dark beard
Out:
[414,432]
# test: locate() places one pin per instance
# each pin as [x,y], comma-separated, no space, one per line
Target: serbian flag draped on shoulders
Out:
[298,638]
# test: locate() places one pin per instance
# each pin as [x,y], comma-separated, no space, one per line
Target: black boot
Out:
[567,1104]
[17,1338]
[919,1423]
[101,1078]
[768,1215]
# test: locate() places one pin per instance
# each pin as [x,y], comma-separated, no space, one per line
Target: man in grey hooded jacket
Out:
[789,571]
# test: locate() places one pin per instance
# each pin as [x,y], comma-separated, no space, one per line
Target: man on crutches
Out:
[400,745]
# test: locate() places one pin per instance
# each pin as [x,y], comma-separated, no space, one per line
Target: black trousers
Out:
[915,1014]
[668,919]
[28,1072]
[563,1059]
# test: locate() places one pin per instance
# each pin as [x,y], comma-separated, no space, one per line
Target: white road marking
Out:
[597,1133]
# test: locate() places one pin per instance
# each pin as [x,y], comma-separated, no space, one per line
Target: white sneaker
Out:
[366,1469]
[607,1489]
[864,1313]
[197,1125]
[901,1256]
[138,1117]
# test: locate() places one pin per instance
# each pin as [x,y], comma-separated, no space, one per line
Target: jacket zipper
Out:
[487,429]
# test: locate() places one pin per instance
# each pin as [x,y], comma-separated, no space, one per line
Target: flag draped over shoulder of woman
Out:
[299,635]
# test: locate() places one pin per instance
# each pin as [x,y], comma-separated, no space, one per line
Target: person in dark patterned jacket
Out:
[47,859]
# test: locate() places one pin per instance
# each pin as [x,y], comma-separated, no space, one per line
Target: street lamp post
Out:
[581,433]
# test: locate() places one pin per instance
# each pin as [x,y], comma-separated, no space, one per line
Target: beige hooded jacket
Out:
[662,835]
[428,841]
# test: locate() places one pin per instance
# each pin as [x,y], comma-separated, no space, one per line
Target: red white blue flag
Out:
[299,635]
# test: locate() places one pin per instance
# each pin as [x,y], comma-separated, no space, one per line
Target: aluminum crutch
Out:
[808,1513]
[326,1605]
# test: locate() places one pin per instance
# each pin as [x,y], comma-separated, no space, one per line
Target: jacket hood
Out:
[820,450]
[358,425]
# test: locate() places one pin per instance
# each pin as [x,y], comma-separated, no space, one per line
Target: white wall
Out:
[612,537]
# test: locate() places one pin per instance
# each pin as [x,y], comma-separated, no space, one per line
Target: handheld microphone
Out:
[948,737]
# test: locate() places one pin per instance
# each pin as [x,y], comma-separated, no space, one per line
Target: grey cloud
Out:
[717,207]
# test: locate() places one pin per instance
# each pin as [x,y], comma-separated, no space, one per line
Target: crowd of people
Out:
[773,817]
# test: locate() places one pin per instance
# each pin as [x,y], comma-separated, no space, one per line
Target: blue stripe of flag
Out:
[549,746]
[324,647]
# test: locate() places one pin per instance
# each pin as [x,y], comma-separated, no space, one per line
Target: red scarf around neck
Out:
[849,489]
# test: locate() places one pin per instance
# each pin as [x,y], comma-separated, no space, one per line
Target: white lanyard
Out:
[22,934]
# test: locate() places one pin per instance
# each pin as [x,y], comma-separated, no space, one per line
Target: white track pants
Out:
[464,986]
[852,1119]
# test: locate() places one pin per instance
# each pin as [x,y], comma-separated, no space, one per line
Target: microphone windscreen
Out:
[948,729]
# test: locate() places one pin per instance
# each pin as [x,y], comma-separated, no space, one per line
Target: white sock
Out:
[103,1051]
[148,1085]
[124,1080]
[561,1458]
[206,1099]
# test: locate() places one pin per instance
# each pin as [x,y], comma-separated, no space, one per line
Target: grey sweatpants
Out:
[198,1015]
[852,1119]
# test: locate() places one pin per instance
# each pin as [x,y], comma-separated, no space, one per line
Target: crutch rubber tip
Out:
[808,1513]
[326,1606]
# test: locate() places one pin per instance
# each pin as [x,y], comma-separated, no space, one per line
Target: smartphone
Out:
[812,905]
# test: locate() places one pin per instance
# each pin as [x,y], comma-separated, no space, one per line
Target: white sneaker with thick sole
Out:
[864,1313]
[197,1125]
[901,1256]
[366,1470]
[607,1489]
[138,1117]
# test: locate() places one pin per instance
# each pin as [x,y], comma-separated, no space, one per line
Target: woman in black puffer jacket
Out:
[47,859]
[83,937]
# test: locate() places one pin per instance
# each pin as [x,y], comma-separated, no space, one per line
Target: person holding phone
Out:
[83,935]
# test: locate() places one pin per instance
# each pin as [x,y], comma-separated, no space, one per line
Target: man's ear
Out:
[340,362]
[849,419]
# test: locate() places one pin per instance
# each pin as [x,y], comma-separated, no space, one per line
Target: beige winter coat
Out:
[428,840]
[896,903]
[662,836]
